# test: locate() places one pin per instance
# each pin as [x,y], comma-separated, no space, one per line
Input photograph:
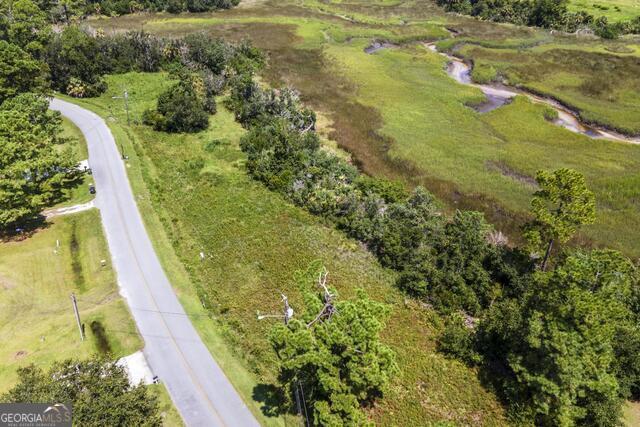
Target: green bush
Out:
[458,339]
[179,110]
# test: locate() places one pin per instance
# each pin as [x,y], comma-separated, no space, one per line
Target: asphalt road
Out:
[199,389]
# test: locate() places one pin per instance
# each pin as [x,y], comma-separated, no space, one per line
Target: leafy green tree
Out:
[557,348]
[464,281]
[209,52]
[33,172]
[332,354]
[277,153]
[458,339]
[99,391]
[73,58]
[548,13]
[19,72]
[407,230]
[68,11]
[562,204]
[24,24]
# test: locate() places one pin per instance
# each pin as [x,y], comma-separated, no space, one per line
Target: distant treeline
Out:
[69,10]
[541,13]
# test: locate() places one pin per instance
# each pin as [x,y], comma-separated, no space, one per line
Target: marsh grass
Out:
[400,116]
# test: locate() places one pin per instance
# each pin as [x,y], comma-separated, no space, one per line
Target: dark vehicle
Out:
[92,189]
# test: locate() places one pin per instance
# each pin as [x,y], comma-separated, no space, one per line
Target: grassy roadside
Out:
[37,277]
[139,168]
[195,197]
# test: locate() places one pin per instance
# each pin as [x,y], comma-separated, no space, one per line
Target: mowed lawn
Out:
[254,242]
[38,276]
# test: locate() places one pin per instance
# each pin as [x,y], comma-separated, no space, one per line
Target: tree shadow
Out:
[273,399]
[23,230]
[100,337]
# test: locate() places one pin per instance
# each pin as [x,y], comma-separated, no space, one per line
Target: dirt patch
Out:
[6,283]
[505,170]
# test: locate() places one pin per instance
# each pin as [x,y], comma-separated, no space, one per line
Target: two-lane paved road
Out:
[173,348]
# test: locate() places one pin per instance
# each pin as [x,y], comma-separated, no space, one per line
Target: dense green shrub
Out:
[458,339]
[33,173]
[78,60]
[179,109]
[99,390]
[19,72]
[556,346]
[131,51]
[24,24]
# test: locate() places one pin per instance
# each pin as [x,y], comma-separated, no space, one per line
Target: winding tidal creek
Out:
[498,95]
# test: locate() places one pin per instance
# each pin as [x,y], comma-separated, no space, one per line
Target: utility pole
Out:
[126,104]
[75,310]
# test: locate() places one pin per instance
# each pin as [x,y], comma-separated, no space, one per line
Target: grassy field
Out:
[197,197]
[556,70]
[401,116]
[614,10]
[398,114]
[37,278]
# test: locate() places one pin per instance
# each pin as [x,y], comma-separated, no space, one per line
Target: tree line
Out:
[72,11]
[552,14]
[554,329]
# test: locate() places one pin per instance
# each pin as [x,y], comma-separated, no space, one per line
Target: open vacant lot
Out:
[38,275]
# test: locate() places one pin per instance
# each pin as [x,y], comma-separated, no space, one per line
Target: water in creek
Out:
[499,95]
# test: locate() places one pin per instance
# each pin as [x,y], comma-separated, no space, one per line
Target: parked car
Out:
[92,189]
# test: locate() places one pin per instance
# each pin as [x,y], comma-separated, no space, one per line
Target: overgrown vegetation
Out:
[454,264]
[486,162]
[254,242]
[331,354]
[457,264]
[68,12]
